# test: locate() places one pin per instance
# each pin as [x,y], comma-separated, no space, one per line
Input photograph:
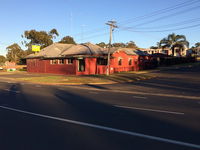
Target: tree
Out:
[172,41]
[54,33]
[131,44]
[122,45]
[102,44]
[67,40]
[156,47]
[196,48]
[197,44]
[41,38]
[153,47]
[15,53]
[2,60]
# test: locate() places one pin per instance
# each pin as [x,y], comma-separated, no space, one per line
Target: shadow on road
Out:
[40,133]
[101,113]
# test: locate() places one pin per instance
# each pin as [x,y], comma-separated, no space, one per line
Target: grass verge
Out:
[64,79]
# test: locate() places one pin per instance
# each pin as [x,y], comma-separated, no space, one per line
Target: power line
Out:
[180,23]
[160,18]
[155,13]
[90,31]
[139,18]
[175,29]
[164,17]
[172,25]
[161,11]
[94,36]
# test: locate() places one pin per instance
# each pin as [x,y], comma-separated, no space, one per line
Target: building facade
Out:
[85,59]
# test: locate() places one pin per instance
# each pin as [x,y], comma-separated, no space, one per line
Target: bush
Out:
[23,69]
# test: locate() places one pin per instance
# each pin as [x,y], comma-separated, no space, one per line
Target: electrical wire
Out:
[164,17]
[94,36]
[175,29]
[157,19]
[93,31]
[161,11]
[172,25]
[155,13]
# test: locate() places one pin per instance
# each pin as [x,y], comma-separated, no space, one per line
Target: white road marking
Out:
[38,86]
[94,92]
[106,128]
[10,82]
[154,110]
[141,97]
[12,91]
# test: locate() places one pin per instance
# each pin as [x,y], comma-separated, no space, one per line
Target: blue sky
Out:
[85,19]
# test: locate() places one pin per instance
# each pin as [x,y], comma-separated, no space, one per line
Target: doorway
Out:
[81,65]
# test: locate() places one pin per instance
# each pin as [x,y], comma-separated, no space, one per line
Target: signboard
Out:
[35,48]
[10,66]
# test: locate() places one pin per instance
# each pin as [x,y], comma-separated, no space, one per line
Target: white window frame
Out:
[60,61]
[52,61]
[67,61]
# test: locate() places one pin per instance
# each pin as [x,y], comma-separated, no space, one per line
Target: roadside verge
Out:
[49,79]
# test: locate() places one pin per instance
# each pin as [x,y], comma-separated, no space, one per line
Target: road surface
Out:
[160,113]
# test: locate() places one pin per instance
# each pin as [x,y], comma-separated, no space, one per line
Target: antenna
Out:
[82,32]
[70,23]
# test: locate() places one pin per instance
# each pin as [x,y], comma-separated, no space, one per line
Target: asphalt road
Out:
[161,113]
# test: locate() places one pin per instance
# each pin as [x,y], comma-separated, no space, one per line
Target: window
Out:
[61,61]
[69,61]
[53,61]
[130,61]
[102,61]
[81,65]
[120,61]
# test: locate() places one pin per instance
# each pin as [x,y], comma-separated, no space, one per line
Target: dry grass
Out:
[64,79]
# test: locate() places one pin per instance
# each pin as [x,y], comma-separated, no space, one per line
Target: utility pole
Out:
[112,25]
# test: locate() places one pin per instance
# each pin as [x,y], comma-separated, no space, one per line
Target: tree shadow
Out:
[10,96]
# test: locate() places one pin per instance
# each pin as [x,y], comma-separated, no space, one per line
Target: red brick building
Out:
[85,59]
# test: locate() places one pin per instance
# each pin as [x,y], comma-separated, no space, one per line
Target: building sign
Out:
[35,48]
[10,66]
